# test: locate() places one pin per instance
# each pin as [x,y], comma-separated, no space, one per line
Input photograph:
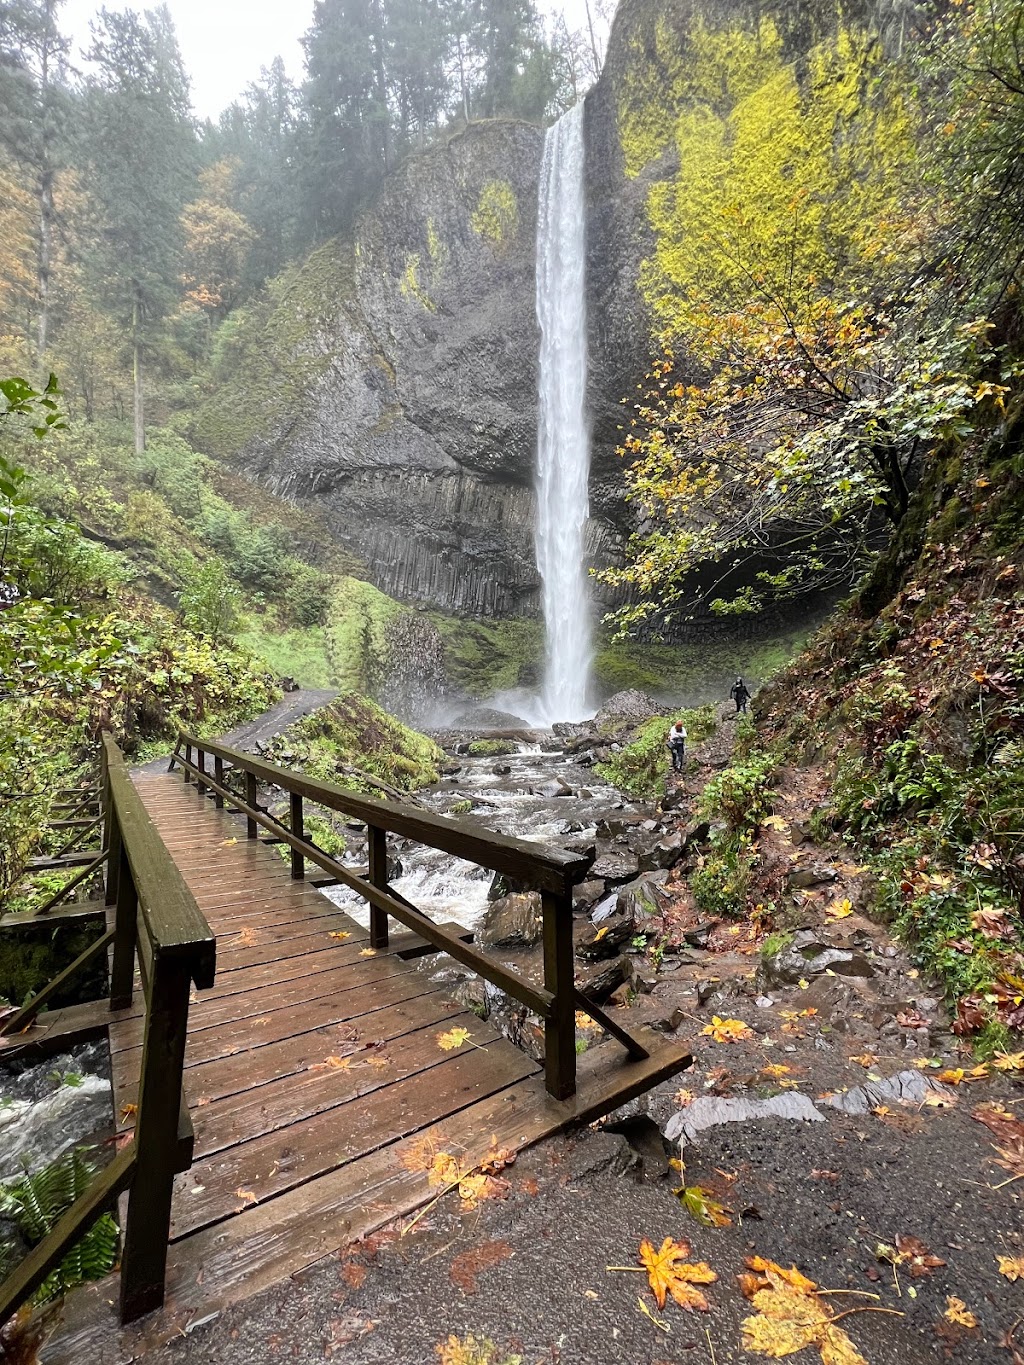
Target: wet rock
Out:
[585,794]
[605,940]
[599,984]
[587,894]
[696,835]
[669,1023]
[604,908]
[698,937]
[666,852]
[814,874]
[615,866]
[674,800]
[554,788]
[501,770]
[626,708]
[622,995]
[708,1112]
[809,956]
[513,922]
[911,1087]
[642,978]
[639,898]
[473,994]
[618,826]
[502,886]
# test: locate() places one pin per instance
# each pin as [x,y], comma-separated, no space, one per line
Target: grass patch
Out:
[354,732]
[640,768]
[299,653]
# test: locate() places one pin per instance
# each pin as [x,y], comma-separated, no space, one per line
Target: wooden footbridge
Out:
[281,1074]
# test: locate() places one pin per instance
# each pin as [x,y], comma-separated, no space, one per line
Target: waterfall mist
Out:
[563,453]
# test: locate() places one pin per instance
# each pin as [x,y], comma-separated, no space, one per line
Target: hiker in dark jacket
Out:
[676,745]
[740,694]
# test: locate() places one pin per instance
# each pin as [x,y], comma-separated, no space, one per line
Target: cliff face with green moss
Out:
[392,380]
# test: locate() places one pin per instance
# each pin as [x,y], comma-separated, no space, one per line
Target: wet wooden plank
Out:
[243,949]
[282,1160]
[253,1031]
[243,1256]
[237,1070]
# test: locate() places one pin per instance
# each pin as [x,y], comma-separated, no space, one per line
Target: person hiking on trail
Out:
[676,745]
[740,694]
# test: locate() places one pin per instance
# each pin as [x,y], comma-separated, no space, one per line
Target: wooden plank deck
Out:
[313,1071]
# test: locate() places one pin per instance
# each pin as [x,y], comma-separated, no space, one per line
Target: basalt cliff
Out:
[391,379]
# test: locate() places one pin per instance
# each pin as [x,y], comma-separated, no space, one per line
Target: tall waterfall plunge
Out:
[563,453]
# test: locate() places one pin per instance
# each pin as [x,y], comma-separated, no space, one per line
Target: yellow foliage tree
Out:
[217,242]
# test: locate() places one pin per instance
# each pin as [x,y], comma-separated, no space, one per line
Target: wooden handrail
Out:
[546,868]
[158,927]
[552,871]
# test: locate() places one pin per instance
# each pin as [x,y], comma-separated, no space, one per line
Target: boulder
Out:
[640,898]
[605,940]
[663,853]
[599,984]
[513,922]
[808,956]
[587,894]
[696,835]
[813,874]
[502,886]
[627,708]
[501,770]
[615,866]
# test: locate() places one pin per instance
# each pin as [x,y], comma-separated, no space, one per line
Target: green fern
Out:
[36,1203]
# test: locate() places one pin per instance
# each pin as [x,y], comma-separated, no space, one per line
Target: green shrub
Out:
[720,888]
[741,795]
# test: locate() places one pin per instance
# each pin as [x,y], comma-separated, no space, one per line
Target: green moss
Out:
[640,768]
[358,618]
[297,653]
[483,658]
[491,748]
[354,732]
[496,216]
[696,670]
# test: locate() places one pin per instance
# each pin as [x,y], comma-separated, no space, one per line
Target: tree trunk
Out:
[45,255]
[593,42]
[137,406]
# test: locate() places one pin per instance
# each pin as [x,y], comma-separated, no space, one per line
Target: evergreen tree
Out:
[345,106]
[142,149]
[35,104]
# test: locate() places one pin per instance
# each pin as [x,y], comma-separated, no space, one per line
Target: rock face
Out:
[392,380]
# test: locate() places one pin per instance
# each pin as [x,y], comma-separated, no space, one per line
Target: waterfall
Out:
[563,446]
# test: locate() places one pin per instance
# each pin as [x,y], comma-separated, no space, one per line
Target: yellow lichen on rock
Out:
[496,216]
[411,286]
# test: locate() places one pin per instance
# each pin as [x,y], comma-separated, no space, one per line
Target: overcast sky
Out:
[226,42]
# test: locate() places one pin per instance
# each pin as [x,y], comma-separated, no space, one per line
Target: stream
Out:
[514,795]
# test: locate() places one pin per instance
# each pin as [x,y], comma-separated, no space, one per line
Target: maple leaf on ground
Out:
[839,909]
[791,1315]
[866,1060]
[669,1272]
[1012,1267]
[454,1038]
[958,1312]
[699,1203]
[727,1030]
[470,1350]
[1008,1061]
[340,933]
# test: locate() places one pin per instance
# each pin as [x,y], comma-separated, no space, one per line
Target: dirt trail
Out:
[292,707]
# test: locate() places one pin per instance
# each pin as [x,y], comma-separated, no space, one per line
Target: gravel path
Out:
[292,707]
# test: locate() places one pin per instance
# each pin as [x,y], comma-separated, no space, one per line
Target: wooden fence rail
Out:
[551,871]
[156,926]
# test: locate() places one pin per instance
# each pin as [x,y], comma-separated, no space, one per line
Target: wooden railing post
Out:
[218,775]
[377,840]
[251,827]
[148,1225]
[122,968]
[298,862]
[201,765]
[186,775]
[559,979]
[114,853]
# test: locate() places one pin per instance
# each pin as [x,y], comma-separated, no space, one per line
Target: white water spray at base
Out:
[563,447]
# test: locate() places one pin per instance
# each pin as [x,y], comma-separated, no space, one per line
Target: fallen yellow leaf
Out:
[1008,1061]
[839,909]
[1012,1267]
[958,1312]
[669,1272]
[368,952]
[727,1030]
[340,933]
[454,1038]
[246,1196]
[791,1316]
